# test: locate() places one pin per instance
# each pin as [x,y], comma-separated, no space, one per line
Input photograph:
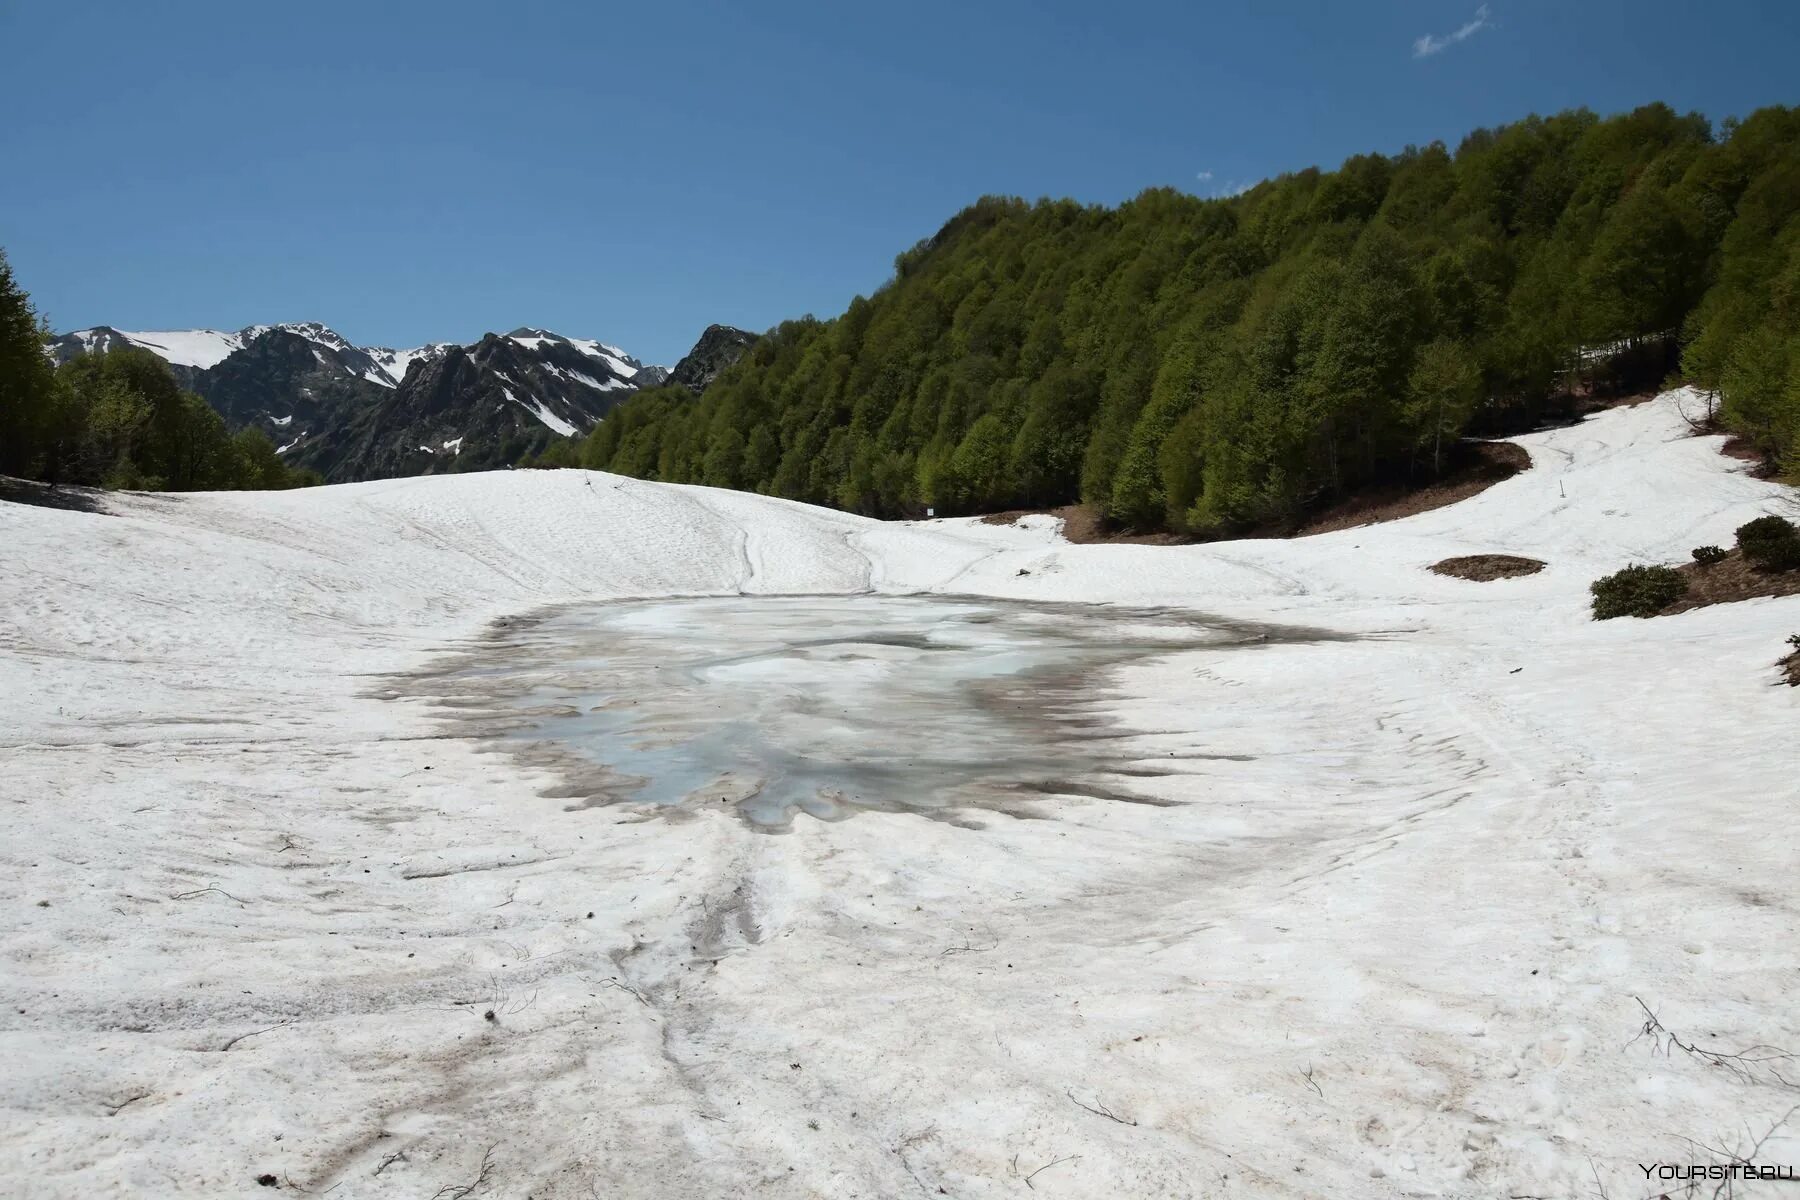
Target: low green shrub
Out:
[1770,543]
[1706,556]
[1637,592]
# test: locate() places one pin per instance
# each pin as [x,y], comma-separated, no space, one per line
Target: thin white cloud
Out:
[1432,43]
[1224,190]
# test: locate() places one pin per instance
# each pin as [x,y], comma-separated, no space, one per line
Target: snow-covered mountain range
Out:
[364,412]
[203,349]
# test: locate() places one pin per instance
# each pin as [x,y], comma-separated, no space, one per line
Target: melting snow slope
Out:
[1385,939]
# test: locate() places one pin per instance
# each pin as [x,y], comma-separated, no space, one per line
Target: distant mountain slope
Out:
[719,346]
[193,350]
[355,412]
[476,406]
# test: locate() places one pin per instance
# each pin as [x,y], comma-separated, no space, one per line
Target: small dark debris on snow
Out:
[268,1180]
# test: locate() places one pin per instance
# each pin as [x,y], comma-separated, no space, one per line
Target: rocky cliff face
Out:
[718,348]
[290,387]
[479,406]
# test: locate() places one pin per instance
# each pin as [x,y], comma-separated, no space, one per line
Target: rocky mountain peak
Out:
[719,346]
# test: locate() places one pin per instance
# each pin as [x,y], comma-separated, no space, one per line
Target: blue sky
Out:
[415,172]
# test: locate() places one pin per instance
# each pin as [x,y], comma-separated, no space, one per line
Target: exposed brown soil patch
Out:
[1762,466]
[1484,465]
[1086,525]
[1739,446]
[1589,402]
[1731,579]
[1482,567]
[1481,466]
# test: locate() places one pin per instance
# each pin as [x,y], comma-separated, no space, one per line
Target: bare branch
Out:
[1100,1110]
[463,1191]
[203,891]
[253,1033]
[1752,1064]
[1046,1167]
[113,1110]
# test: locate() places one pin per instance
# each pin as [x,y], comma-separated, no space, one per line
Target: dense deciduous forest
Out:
[117,419]
[1218,364]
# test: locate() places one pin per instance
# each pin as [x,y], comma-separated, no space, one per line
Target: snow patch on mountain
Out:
[616,360]
[393,363]
[536,408]
[185,347]
[604,385]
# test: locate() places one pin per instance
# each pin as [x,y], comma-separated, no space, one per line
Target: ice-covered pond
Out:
[819,704]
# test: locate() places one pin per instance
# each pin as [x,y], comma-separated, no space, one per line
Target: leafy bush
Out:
[1706,556]
[1770,543]
[1766,528]
[1637,592]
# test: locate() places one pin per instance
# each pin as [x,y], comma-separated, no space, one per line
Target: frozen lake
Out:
[822,704]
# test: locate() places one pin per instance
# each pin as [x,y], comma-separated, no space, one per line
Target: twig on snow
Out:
[1311,1082]
[203,891]
[1744,1064]
[461,1191]
[1727,1187]
[113,1110]
[1099,1109]
[1598,1186]
[1046,1167]
[626,987]
[914,1139]
[253,1033]
[969,947]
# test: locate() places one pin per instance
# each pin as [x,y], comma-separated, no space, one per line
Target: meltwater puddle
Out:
[819,704]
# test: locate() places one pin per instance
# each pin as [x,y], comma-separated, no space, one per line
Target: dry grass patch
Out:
[1483,567]
[1484,464]
[1085,525]
[1731,578]
[1480,466]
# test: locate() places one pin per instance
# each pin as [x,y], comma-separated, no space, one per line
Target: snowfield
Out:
[265,916]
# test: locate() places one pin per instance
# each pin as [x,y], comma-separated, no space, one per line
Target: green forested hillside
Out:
[117,419]
[1211,365]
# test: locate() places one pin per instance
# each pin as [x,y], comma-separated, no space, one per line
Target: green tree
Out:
[27,383]
[1441,393]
